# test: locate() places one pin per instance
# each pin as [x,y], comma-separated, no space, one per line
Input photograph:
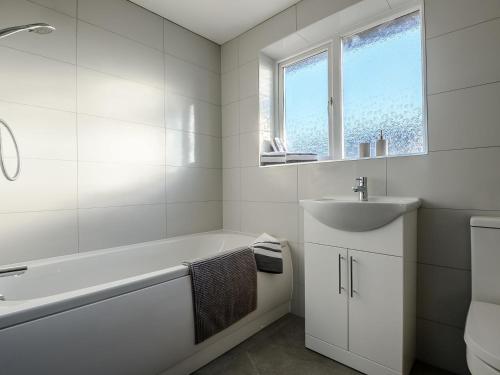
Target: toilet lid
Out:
[482,332]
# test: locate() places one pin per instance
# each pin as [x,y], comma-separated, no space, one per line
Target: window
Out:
[305,119]
[344,93]
[382,87]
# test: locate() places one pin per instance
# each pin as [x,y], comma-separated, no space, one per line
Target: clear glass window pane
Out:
[305,109]
[382,87]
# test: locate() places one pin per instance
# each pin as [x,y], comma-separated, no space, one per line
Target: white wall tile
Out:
[230,119]
[106,140]
[42,185]
[443,294]
[337,178]
[112,53]
[444,236]
[249,79]
[40,133]
[461,179]
[101,228]
[310,11]
[187,218]
[249,114]
[232,215]
[231,184]
[448,15]
[298,301]
[60,44]
[193,184]
[35,235]
[229,55]
[190,80]
[277,184]
[278,219]
[231,151]
[442,346]
[113,184]
[193,150]
[64,6]
[36,80]
[297,250]
[249,149]
[123,17]
[230,87]
[191,47]
[192,115]
[449,68]
[464,118]
[277,27]
[105,95]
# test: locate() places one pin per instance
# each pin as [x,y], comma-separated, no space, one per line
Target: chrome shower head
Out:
[39,28]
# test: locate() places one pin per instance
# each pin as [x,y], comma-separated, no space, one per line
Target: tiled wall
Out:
[459,177]
[118,118]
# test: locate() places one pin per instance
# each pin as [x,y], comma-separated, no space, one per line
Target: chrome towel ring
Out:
[2,164]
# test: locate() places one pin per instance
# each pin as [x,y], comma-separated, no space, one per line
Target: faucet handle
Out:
[362,180]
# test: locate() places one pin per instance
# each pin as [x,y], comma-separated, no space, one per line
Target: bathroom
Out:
[141,138]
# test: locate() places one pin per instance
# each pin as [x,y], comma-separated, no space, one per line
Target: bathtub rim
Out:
[16,312]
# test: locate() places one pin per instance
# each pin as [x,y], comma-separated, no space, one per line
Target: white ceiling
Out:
[217,20]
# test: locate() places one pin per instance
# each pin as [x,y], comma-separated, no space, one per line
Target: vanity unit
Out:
[360,281]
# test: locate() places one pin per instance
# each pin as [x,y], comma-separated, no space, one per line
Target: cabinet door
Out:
[326,293]
[376,307]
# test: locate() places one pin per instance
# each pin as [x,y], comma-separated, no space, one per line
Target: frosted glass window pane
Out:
[382,87]
[306,105]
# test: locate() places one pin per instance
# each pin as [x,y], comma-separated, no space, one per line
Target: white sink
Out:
[350,214]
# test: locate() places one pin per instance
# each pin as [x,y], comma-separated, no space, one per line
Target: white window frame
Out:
[334,46]
[327,47]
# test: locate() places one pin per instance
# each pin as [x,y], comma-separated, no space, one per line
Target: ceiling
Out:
[217,20]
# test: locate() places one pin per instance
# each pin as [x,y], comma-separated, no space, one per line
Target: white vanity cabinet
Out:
[360,294]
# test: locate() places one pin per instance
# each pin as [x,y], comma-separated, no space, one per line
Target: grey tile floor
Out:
[278,350]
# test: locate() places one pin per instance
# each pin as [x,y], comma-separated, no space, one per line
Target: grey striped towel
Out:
[268,254]
[224,289]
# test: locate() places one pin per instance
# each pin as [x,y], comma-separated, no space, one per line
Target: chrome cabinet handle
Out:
[352,279]
[340,273]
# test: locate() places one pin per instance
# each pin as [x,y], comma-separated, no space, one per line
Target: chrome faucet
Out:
[362,188]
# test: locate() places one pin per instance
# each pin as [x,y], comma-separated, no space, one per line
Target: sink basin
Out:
[350,214]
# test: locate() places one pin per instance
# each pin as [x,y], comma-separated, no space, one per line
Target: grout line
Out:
[123,78]
[193,63]
[122,35]
[458,209]
[169,92]
[55,10]
[38,211]
[35,106]
[462,149]
[464,28]
[463,88]
[165,124]
[38,55]
[192,97]
[467,270]
[77,131]
[196,133]
[442,323]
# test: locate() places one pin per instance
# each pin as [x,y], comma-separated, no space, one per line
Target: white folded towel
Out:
[274,157]
[268,253]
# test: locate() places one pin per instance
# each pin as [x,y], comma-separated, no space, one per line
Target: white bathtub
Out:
[125,310]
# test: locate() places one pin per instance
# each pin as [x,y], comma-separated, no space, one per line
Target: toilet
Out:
[482,329]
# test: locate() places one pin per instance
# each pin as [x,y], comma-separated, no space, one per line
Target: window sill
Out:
[342,160]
